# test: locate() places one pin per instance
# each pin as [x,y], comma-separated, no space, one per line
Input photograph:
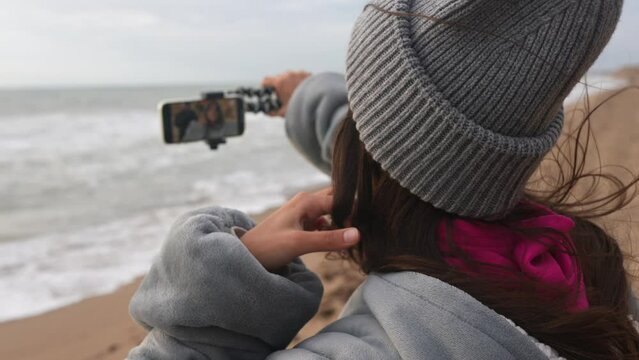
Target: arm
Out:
[317,108]
[314,108]
[207,297]
[212,295]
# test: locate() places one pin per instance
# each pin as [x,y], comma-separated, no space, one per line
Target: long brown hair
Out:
[399,233]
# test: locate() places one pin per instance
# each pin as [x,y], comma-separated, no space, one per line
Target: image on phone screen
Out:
[202,119]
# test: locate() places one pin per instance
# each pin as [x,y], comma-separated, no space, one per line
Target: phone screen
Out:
[202,119]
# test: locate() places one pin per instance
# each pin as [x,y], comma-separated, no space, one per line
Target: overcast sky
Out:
[74,42]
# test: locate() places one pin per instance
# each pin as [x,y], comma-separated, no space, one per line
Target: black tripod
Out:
[255,100]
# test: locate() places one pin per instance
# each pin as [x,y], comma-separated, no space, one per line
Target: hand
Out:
[284,85]
[296,229]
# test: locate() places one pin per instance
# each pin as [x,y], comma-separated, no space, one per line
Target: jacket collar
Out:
[424,315]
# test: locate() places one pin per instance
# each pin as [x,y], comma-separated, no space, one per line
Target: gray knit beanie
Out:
[460,105]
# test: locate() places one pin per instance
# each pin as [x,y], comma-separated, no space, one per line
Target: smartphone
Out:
[206,119]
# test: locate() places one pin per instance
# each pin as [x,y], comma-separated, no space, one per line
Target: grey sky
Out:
[73,42]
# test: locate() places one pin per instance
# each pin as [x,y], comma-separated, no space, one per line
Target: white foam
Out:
[259,191]
[48,272]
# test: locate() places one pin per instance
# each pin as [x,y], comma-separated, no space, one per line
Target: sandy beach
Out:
[100,328]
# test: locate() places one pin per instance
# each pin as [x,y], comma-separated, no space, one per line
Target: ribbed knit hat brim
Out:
[423,141]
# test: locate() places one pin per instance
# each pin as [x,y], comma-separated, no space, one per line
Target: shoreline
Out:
[94,328]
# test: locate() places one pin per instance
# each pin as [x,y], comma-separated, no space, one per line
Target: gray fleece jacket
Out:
[207,297]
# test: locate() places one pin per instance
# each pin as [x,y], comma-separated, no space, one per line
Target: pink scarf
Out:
[497,244]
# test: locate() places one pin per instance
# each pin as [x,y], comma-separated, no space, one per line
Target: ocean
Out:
[88,190]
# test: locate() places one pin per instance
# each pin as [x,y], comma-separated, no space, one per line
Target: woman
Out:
[214,121]
[454,104]
[183,120]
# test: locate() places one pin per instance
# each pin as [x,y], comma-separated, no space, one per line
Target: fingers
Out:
[268,81]
[334,240]
[277,80]
[325,191]
[281,112]
[312,206]
[284,234]
[275,83]
[285,85]
[322,223]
